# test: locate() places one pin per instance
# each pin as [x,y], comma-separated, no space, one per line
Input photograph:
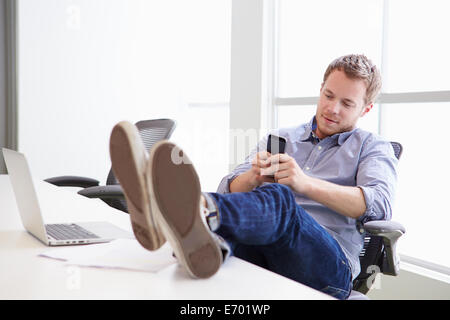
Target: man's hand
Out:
[253,177]
[286,171]
[259,164]
[346,200]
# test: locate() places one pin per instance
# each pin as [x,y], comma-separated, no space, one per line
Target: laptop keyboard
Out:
[68,232]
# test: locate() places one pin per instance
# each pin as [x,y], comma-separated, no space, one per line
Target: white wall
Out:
[85,65]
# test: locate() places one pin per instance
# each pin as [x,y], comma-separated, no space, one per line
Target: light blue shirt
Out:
[354,158]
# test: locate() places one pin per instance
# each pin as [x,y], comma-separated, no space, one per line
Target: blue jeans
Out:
[268,228]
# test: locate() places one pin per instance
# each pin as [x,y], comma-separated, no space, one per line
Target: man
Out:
[295,213]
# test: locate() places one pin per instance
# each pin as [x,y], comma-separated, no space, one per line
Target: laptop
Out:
[32,219]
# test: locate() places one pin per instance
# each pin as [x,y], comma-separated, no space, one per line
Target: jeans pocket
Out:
[336,292]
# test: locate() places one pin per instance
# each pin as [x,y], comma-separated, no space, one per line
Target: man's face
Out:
[340,105]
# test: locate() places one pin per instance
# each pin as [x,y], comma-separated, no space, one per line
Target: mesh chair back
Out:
[373,252]
[151,131]
[398,149]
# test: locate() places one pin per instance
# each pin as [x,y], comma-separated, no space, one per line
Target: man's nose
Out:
[333,107]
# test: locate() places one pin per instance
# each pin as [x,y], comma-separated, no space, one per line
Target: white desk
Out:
[24,275]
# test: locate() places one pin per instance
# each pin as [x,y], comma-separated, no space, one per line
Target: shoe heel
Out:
[205,261]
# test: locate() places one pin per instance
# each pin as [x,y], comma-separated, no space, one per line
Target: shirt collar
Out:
[309,134]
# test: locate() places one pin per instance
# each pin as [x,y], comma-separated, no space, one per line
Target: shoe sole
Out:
[175,196]
[128,158]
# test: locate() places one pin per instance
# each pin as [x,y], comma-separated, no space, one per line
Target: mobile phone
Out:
[276,144]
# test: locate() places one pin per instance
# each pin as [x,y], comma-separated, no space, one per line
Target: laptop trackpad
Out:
[106,230]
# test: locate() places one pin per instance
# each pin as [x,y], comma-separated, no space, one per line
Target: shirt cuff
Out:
[369,198]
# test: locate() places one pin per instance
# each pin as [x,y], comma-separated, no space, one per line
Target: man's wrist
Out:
[252,180]
[244,182]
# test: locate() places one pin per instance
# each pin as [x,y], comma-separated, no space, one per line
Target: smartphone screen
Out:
[276,144]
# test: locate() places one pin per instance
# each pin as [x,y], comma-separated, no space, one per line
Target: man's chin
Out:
[325,132]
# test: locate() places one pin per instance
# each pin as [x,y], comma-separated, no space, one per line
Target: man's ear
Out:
[366,109]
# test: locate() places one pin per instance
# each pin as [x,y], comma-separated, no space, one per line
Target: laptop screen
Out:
[26,197]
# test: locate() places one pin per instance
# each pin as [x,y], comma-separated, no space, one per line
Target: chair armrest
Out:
[103,192]
[381,226]
[389,231]
[72,181]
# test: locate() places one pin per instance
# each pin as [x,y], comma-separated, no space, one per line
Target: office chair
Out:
[379,251]
[151,131]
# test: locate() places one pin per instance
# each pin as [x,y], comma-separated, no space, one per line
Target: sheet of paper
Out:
[121,253]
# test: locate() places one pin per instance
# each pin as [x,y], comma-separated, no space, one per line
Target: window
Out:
[416,52]
[293,115]
[409,47]
[422,187]
[312,34]
[417,61]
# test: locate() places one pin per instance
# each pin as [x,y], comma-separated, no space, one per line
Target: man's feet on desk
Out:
[164,200]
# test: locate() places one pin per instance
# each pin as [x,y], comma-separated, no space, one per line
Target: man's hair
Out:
[358,66]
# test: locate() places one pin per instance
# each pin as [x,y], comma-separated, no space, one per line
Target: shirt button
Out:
[307,168]
[319,147]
